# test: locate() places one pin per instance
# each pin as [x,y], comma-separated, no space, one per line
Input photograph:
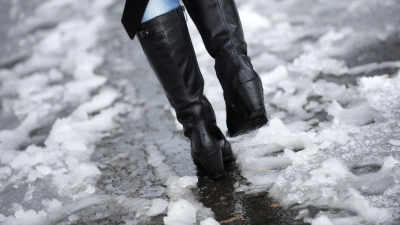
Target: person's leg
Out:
[166,43]
[158,7]
[219,25]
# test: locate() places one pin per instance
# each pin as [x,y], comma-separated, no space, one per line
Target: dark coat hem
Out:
[132,16]
[130,32]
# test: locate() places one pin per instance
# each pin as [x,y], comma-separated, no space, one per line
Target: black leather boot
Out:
[219,25]
[168,48]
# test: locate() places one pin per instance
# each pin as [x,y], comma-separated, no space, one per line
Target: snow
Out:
[181,212]
[209,221]
[183,206]
[73,218]
[322,220]
[158,207]
[188,182]
[394,142]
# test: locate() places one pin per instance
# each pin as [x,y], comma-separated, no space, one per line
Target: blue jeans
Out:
[158,7]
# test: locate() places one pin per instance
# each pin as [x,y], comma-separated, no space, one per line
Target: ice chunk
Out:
[334,136]
[373,84]
[303,214]
[54,205]
[310,65]
[328,90]
[359,115]
[45,170]
[188,182]
[32,84]
[298,126]
[322,220]
[394,142]
[158,207]
[72,162]
[334,109]
[104,99]
[26,217]
[90,189]
[275,76]
[55,75]
[73,218]
[266,61]
[183,197]
[278,133]
[331,171]
[334,36]
[209,221]
[254,23]
[181,212]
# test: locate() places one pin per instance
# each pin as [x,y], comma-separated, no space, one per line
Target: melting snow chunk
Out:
[158,207]
[90,189]
[209,221]
[73,218]
[322,220]
[188,182]
[181,212]
[395,142]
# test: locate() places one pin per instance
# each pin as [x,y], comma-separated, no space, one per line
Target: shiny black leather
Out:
[168,48]
[219,25]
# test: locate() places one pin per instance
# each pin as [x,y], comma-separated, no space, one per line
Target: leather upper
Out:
[170,53]
[219,25]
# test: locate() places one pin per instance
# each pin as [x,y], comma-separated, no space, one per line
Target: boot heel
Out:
[212,163]
[234,121]
[238,123]
[246,111]
[250,98]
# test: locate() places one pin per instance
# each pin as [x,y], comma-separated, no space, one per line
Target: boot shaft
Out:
[219,23]
[220,27]
[168,48]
